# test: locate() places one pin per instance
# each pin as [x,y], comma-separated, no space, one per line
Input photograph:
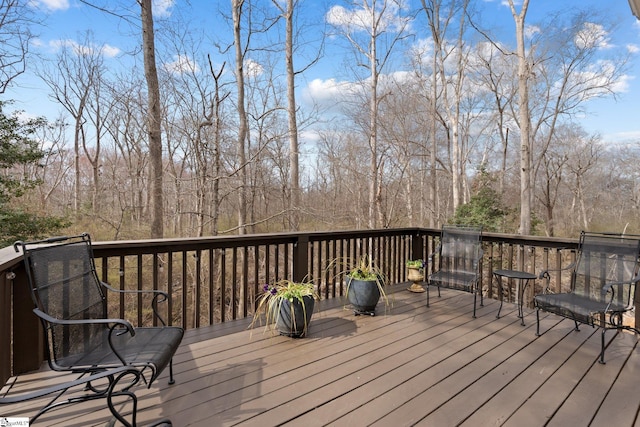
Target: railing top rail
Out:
[548,242]
[9,258]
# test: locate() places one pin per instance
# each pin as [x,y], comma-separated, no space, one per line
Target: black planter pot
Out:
[295,325]
[363,295]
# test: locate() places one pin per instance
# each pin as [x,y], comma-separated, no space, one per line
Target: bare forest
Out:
[433,106]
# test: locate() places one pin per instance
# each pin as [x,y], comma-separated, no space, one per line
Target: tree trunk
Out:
[153,120]
[236,5]
[373,124]
[524,121]
[294,222]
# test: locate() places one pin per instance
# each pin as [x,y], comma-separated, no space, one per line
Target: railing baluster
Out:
[197,290]
[211,286]
[223,284]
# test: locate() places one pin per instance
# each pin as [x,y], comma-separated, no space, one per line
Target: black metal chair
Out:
[459,255]
[71,303]
[603,282]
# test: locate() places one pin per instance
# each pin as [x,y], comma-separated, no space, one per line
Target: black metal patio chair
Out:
[458,255]
[71,303]
[603,282]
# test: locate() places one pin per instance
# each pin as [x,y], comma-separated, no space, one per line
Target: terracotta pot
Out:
[414,274]
[417,277]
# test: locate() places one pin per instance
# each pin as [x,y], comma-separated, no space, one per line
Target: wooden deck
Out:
[412,365]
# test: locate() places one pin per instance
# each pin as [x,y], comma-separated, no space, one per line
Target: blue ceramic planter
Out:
[363,295]
[291,320]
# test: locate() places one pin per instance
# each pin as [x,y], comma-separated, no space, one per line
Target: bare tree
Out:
[451,85]
[582,160]
[495,72]
[524,118]
[294,154]
[379,20]
[576,63]
[54,166]
[154,120]
[237,9]
[72,80]
[16,21]
[216,111]
[126,127]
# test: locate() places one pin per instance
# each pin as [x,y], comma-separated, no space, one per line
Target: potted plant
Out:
[415,274]
[288,305]
[365,286]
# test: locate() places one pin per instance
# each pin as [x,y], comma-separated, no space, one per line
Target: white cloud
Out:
[623,84]
[359,19]
[252,68]
[162,8]
[516,3]
[596,81]
[422,49]
[531,30]
[332,92]
[623,137]
[110,51]
[182,64]
[62,43]
[592,36]
[324,90]
[107,50]
[51,5]
[633,48]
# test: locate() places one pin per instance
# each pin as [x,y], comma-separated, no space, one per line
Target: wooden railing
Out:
[214,280]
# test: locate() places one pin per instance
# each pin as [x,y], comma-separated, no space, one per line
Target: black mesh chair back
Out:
[65,287]
[459,258]
[604,259]
[460,254]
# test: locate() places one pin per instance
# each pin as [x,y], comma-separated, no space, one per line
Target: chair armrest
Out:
[610,285]
[158,296]
[546,274]
[434,253]
[115,328]
[115,322]
[157,292]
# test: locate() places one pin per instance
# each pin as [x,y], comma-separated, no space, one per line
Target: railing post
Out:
[28,350]
[5,326]
[417,246]
[301,258]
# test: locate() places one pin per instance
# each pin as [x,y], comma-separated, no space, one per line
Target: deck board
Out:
[408,365]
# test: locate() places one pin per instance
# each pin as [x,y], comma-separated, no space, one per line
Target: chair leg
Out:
[602,362]
[427,294]
[475,297]
[171,380]
[537,321]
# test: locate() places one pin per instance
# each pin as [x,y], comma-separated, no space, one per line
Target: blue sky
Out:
[66,21]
